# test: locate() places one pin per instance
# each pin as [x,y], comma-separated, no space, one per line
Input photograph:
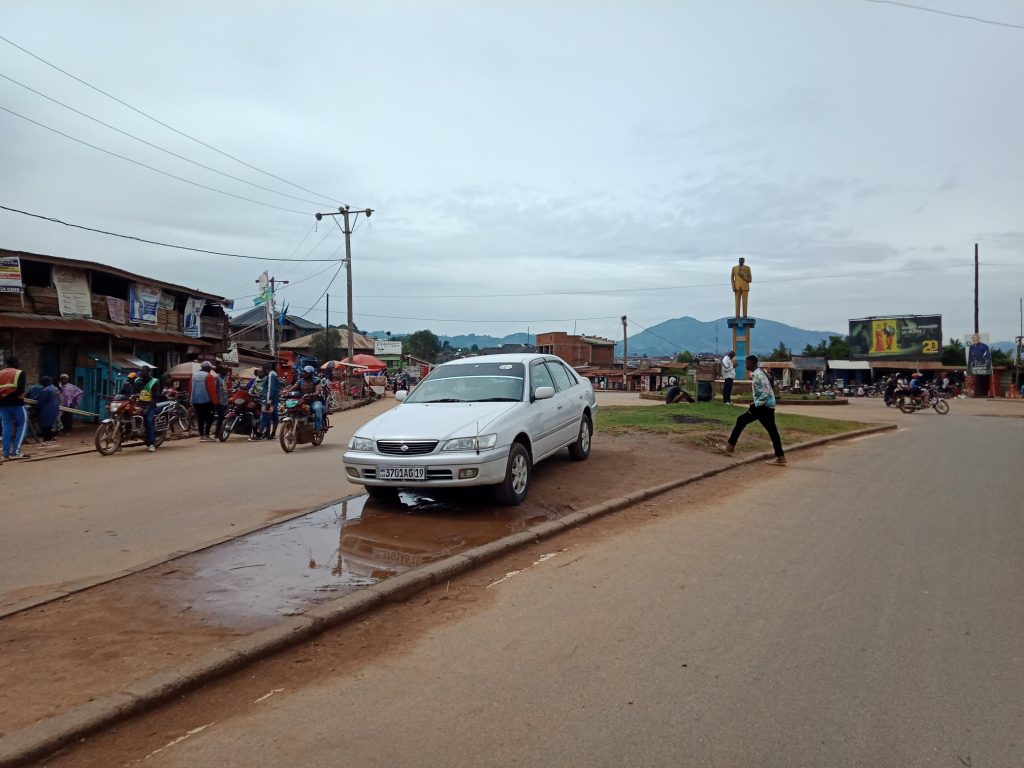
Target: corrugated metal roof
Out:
[597,341]
[359,341]
[27,320]
[82,264]
[258,315]
[808,363]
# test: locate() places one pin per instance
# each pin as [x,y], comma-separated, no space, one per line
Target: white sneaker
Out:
[151,448]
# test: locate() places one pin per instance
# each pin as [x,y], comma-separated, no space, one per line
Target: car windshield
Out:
[471,383]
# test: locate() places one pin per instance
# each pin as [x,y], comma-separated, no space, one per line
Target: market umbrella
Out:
[183,370]
[339,364]
[369,361]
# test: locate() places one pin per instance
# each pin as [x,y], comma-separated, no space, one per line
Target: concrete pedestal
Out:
[741,327]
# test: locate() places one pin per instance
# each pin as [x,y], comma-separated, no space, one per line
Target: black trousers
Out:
[727,390]
[766,416]
[204,415]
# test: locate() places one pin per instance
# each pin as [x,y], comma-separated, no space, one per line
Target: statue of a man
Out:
[741,279]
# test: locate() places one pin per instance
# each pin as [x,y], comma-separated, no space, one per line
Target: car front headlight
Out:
[478,443]
[360,444]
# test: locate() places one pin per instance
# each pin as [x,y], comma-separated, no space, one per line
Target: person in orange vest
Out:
[12,408]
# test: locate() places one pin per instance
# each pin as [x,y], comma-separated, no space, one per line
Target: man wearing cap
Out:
[204,398]
[128,387]
[762,410]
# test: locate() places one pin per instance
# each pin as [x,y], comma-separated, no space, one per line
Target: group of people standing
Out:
[209,398]
[41,403]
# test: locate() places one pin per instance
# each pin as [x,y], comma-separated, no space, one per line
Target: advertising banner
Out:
[231,356]
[73,297]
[901,337]
[10,274]
[143,302]
[190,320]
[167,301]
[382,347]
[118,309]
[979,355]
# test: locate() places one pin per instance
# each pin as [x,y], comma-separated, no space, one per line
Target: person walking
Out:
[220,408]
[70,397]
[203,397]
[47,408]
[728,376]
[12,408]
[271,396]
[762,409]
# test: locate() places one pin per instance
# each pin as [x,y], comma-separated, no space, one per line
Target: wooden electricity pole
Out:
[625,356]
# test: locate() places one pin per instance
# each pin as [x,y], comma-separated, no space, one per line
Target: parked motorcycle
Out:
[242,417]
[127,423]
[908,402]
[297,422]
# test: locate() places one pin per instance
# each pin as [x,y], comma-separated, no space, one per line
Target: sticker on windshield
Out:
[505,367]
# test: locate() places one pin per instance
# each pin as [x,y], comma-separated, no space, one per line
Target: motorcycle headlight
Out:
[360,444]
[290,403]
[479,443]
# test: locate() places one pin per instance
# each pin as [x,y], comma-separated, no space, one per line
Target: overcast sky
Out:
[520,155]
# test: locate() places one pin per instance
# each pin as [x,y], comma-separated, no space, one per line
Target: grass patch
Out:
[706,425]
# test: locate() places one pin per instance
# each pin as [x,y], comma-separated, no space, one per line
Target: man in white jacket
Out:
[728,376]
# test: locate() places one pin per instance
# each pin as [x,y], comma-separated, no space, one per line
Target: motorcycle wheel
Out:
[161,435]
[941,406]
[905,406]
[226,429]
[108,439]
[181,418]
[318,437]
[288,437]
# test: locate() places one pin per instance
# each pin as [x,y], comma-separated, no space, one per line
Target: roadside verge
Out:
[48,735]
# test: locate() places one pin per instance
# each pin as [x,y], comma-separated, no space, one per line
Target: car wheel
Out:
[581,448]
[513,489]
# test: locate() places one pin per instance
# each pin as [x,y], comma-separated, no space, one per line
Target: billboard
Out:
[979,355]
[901,337]
[382,347]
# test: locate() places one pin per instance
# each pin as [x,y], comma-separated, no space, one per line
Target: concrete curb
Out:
[47,736]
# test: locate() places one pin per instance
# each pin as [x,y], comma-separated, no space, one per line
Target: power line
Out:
[317,302]
[165,125]
[948,13]
[150,167]
[156,146]
[648,330]
[153,242]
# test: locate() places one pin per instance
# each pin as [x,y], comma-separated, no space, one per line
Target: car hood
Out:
[434,421]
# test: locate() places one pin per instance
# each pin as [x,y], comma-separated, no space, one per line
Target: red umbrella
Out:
[371,362]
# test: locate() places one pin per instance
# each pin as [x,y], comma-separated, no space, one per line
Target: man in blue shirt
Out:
[762,409]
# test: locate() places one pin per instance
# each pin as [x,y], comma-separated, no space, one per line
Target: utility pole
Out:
[345,213]
[625,356]
[268,306]
[976,288]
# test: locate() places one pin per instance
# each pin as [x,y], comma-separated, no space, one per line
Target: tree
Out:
[836,348]
[326,345]
[474,348]
[686,356]
[780,354]
[424,345]
[999,357]
[954,353]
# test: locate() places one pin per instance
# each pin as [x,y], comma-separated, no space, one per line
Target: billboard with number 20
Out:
[900,337]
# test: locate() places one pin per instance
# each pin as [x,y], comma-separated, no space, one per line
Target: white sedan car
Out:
[478,421]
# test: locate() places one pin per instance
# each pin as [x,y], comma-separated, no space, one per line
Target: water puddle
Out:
[331,552]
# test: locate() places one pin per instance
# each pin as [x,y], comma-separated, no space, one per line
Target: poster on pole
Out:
[193,310]
[143,302]
[979,354]
[73,297]
[10,274]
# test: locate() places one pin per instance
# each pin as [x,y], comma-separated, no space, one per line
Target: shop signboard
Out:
[899,337]
[386,347]
[10,274]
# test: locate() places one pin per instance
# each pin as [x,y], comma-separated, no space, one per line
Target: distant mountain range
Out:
[672,336]
[683,333]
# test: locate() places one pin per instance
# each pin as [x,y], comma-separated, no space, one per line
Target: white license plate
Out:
[401,473]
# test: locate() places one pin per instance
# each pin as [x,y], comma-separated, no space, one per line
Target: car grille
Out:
[413,447]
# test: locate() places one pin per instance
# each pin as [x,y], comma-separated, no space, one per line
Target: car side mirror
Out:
[543,393]
[400,395]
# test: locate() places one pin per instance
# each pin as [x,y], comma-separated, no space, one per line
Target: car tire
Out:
[513,489]
[580,450]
